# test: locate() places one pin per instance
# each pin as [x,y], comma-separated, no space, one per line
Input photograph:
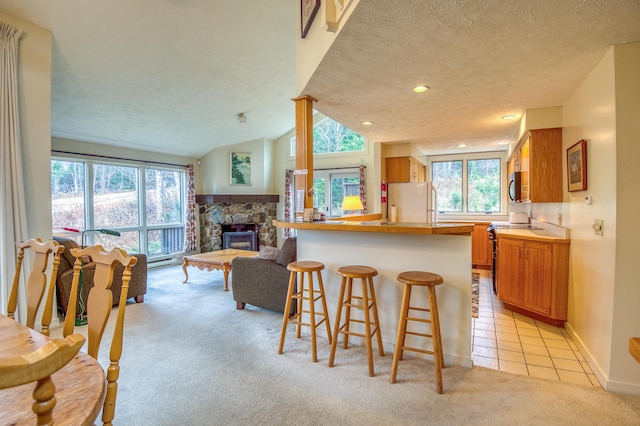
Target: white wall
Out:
[34,75]
[216,169]
[311,49]
[626,316]
[603,287]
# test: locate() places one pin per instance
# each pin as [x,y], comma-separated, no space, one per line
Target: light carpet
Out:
[191,358]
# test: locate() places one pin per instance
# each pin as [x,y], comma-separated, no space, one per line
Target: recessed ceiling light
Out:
[462,145]
[420,89]
[508,117]
[367,123]
[503,142]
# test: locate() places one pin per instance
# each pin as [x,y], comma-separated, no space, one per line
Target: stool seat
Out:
[305,266]
[357,271]
[429,280]
[366,302]
[419,278]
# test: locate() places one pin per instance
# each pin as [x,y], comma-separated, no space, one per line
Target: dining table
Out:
[80,385]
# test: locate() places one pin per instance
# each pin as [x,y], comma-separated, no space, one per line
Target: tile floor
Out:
[508,341]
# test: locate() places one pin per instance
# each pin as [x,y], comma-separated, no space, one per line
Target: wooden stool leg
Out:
[402,330]
[374,305]
[300,304]
[336,325]
[312,317]
[367,325]
[287,309]
[324,306]
[437,342]
[347,315]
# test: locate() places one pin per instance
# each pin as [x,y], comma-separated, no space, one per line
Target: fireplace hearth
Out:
[226,213]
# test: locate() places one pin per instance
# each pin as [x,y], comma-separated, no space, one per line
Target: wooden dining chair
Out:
[38,366]
[99,307]
[36,282]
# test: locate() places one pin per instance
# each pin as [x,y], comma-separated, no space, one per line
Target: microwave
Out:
[515,187]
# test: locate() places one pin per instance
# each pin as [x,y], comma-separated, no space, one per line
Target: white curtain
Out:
[13,219]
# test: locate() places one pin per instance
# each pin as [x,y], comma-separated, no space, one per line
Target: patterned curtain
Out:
[363,187]
[288,201]
[13,212]
[190,237]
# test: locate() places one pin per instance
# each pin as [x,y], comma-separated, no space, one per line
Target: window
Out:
[468,184]
[91,195]
[330,137]
[331,186]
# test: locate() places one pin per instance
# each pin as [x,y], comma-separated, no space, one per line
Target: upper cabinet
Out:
[405,169]
[538,155]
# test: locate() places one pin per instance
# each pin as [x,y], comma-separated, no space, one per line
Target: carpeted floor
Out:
[191,358]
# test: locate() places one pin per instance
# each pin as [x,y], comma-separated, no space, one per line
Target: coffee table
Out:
[218,260]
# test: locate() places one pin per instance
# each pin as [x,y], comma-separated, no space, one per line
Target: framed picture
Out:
[240,168]
[308,10]
[577,166]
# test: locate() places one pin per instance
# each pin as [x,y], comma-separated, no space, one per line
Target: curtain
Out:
[363,187]
[190,236]
[13,218]
[288,201]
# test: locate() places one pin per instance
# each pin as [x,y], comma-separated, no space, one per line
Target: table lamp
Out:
[352,203]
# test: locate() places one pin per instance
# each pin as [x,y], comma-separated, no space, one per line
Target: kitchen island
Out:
[442,248]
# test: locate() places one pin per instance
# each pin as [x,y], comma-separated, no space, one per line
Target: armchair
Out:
[263,282]
[137,286]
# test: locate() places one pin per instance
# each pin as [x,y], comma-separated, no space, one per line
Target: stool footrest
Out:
[419,320]
[424,351]
[413,333]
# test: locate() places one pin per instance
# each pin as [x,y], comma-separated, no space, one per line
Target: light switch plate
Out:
[598,227]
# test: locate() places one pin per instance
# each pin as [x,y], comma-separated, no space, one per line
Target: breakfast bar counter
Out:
[391,248]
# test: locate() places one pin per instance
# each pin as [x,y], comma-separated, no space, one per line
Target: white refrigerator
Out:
[412,202]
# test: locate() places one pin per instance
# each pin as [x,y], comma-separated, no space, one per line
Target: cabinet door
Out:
[480,247]
[398,169]
[510,270]
[538,277]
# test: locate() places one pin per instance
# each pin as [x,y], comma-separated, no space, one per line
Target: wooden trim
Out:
[237,198]
[381,227]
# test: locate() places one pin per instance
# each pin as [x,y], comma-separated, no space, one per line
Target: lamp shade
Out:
[352,202]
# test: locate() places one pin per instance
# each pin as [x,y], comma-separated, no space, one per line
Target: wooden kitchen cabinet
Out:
[404,169]
[538,155]
[532,278]
[481,246]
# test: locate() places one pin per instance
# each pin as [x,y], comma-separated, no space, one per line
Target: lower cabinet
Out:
[481,246]
[532,278]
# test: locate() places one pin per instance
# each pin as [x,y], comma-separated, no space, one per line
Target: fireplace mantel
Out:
[237,198]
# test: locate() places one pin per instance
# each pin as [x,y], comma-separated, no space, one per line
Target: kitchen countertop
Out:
[381,227]
[531,234]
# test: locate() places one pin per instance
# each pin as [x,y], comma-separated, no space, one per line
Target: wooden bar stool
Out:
[366,302]
[431,280]
[302,293]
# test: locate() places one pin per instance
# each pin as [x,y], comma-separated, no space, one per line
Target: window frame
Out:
[487,155]
[142,228]
[318,122]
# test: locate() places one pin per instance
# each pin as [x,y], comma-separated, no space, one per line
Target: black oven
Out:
[491,232]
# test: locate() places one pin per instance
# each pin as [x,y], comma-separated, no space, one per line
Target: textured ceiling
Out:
[481,60]
[171,76]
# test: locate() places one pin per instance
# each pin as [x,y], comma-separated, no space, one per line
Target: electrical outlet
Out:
[598,227]
[559,219]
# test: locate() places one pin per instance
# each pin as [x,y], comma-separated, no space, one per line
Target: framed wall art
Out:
[577,166]
[240,168]
[308,11]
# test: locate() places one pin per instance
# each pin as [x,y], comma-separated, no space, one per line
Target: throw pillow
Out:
[270,253]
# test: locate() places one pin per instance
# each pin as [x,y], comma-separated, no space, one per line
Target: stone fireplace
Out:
[220,213]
